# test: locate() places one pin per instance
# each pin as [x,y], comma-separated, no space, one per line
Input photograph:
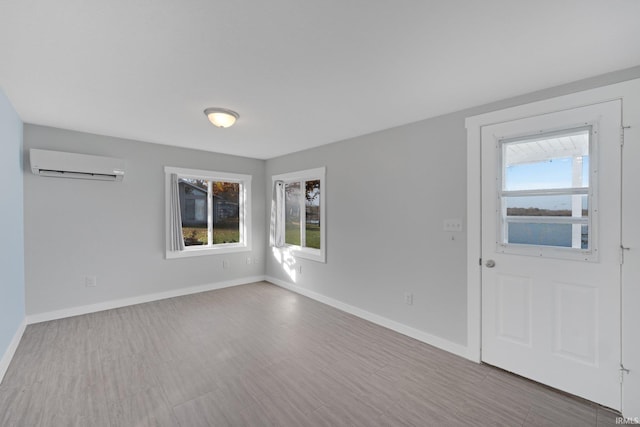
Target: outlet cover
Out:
[453,224]
[91,281]
[225,264]
[408,298]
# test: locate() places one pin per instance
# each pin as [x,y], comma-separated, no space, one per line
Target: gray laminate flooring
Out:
[258,355]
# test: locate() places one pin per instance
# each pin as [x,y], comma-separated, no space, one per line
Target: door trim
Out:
[629,89]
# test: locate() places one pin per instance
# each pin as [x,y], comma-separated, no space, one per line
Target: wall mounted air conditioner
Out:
[71,165]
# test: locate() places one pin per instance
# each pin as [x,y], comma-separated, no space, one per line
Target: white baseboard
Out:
[108,305]
[430,339]
[417,334]
[11,350]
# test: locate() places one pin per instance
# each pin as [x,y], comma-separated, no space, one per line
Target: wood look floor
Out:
[258,355]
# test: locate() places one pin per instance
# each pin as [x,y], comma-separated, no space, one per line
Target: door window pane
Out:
[562,205]
[547,234]
[561,161]
[546,177]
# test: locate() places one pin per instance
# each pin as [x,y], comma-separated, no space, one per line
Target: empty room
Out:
[296,213]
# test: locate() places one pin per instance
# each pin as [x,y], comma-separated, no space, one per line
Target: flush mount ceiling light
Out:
[221,117]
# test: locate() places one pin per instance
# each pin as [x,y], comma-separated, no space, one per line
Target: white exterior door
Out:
[551,249]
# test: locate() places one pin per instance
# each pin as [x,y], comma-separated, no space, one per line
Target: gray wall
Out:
[387,196]
[11,225]
[116,231]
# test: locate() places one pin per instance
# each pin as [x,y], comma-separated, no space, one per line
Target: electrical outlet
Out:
[299,269]
[248,260]
[91,281]
[408,298]
[225,264]
[452,225]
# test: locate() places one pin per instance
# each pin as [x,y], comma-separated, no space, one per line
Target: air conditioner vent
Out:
[60,164]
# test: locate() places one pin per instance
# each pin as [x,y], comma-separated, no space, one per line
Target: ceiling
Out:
[300,73]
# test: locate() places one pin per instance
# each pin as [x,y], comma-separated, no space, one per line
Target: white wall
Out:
[116,231]
[12,312]
[387,196]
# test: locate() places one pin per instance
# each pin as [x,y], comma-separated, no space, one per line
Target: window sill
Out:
[219,250]
[317,255]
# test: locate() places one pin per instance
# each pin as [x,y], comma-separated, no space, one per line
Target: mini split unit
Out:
[72,165]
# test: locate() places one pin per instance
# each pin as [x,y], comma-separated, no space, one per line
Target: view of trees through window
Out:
[210,211]
[302,213]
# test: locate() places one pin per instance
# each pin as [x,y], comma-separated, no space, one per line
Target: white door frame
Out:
[629,93]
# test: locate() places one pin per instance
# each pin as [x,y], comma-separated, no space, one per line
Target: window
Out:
[546,192]
[304,213]
[214,211]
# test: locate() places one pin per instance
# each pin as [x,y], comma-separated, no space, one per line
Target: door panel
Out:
[513,306]
[551,311]
[576,322]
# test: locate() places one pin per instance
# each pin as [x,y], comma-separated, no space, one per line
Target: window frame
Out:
[312,254]
[591,253]
[244,212]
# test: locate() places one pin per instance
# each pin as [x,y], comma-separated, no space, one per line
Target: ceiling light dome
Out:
[221,117]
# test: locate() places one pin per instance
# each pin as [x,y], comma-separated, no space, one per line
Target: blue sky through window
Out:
[555,173]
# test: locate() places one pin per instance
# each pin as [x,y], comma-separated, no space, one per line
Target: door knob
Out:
[490,263]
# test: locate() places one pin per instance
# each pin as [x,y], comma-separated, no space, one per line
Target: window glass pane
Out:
[560,235]
[226,212]
[312,214]
[193,208]
[559,161]
[200,210]
[535,163]
[214,218]
[548,205]
[292,195]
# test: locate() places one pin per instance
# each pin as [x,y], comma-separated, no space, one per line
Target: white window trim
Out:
[309,175]
[245,212]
